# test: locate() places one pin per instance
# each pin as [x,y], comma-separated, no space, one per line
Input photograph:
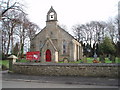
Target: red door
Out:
[48,55]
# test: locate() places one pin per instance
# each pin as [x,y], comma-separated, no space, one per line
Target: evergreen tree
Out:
[107,48]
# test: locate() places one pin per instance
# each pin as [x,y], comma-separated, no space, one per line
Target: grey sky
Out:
[71,12]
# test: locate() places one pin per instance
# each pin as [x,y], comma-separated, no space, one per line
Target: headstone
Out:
[102,58]
[84,59]
[65,60]
[95,56]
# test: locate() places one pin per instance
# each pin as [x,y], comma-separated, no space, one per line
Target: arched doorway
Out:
[48,55]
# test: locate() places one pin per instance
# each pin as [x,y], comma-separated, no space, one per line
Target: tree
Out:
[112,30]
[16,49]
[63,27]
[90,33]
[107,48]
[32,29]
[118,20]
[98,31]
[118,48]
[16,27]
[8,28]
[80,32]
[8,20]
[25,31]
[21,31]
[0,45]
[9,5]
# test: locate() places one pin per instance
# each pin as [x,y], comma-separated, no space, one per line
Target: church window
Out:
[64,47]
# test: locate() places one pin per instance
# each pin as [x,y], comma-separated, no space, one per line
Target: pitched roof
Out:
[48,40]
[51,10]
[13,56]
[66,32]
[58,27]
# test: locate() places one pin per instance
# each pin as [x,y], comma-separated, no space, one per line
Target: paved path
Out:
[61,79]
[16,84]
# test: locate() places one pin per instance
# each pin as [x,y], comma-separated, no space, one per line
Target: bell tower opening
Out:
[51,15]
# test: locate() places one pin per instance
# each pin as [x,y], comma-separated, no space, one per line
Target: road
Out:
[22,84]
[62,79]
[10,80]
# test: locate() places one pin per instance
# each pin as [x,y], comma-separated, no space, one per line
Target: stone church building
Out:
[54,43]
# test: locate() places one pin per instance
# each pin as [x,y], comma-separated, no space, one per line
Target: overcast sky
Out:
[71,12]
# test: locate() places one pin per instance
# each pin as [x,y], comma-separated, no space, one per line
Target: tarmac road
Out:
[10,80]
[22,84]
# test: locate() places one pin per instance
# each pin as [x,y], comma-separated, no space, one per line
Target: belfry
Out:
[54,43]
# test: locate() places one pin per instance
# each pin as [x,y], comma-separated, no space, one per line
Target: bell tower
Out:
[51,15]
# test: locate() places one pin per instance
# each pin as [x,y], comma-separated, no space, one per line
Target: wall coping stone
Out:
[69,64]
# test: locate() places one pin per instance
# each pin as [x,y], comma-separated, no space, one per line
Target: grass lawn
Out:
[5,62]
[22,61]
[89,60]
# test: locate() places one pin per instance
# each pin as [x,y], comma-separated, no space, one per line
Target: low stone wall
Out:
[95,70]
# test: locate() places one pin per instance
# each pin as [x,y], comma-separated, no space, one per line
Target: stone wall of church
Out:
[57,35]
[94,70]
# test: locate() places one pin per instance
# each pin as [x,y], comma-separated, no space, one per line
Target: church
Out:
[54,43]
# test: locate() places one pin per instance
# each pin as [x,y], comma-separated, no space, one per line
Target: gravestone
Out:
[84,59]
[95,56]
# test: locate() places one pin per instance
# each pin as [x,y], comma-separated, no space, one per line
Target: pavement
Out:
[102,81]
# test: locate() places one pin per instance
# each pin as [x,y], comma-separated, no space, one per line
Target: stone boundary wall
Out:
[95,70]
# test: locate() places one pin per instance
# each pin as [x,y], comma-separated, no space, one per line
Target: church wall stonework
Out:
[57,36]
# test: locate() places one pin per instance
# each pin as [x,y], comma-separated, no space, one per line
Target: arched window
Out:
[64,47]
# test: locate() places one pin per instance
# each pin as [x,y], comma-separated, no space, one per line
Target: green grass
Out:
[5,62]
[90,60]
[22,61]
[107,60]
[117,60]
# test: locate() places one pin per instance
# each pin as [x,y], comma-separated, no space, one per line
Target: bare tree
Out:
[90,33]
[9,25]
[21,31]
[80,32]
[25,31]
[32,30]
[8,21]
[112,30]
[98,31]
[117,27]
[15,26]
[5,6]
[63,27]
